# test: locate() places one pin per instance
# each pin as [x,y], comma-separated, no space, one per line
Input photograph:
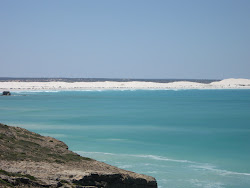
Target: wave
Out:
[37,91]
[98,90]
[219,171]
[154,157]
[206,184]
[190,164]
[160,158]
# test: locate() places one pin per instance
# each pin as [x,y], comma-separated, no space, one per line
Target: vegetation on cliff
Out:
[28,159]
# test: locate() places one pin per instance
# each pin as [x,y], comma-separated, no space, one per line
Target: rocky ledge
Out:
[28,159]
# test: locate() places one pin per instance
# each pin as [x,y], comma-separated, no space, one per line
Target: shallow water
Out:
[184,138]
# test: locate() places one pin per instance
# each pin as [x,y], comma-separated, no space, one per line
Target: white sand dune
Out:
[111,85]
[232,82]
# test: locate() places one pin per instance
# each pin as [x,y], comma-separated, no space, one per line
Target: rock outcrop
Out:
[28,159]
[6,93]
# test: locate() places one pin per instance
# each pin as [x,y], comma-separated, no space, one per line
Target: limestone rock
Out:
[28,159]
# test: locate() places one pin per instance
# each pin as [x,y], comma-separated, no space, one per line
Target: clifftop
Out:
[28,159]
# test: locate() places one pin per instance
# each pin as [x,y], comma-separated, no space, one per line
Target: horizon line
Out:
[10,77]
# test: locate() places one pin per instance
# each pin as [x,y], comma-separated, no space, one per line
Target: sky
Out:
[182,39]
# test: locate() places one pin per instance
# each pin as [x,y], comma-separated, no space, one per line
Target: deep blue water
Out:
[184,138]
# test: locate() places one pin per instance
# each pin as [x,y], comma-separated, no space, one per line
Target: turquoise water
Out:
[184,138]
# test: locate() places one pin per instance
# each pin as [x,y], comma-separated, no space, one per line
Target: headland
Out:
[28,159]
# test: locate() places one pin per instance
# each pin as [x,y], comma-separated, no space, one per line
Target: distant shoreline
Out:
[121,85]
[16,79]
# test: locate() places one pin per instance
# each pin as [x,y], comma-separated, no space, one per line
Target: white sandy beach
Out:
[111,85]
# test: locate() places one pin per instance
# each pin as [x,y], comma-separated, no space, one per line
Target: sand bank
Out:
[111,85]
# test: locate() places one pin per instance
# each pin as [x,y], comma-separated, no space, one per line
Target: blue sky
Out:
[125,39]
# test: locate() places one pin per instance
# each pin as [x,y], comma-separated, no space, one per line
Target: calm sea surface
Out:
[184,138]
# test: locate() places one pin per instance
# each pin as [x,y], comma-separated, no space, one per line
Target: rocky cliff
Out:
[28,159]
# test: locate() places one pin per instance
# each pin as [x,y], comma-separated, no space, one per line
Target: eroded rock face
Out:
[114,181]
[28,159]
[6,93]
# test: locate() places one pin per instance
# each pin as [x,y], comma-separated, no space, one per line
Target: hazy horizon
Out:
[108,78]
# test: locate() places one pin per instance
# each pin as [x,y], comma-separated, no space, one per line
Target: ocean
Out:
[183,138]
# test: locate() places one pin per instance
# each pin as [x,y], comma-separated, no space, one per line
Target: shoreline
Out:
[113,85]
